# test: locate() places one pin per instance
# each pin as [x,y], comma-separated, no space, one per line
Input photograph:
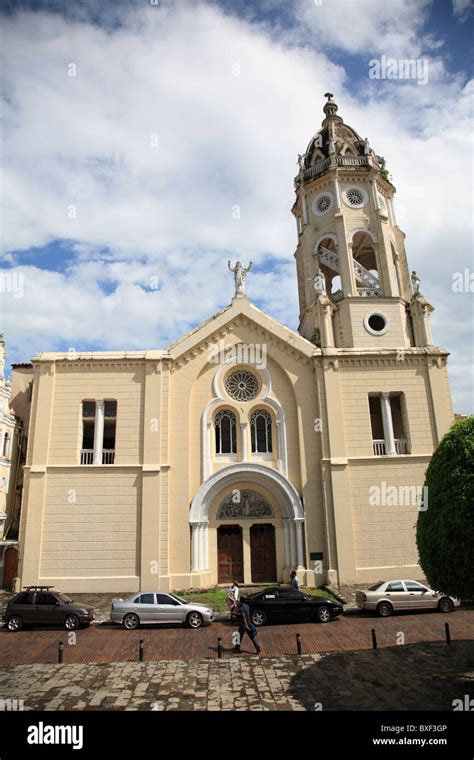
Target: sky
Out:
[145,143]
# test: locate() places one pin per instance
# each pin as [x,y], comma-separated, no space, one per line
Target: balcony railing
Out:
[369,292]
[87,456]
[378,445]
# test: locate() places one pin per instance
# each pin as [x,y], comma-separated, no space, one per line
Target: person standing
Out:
[246,627]
[294,580]
[232,598]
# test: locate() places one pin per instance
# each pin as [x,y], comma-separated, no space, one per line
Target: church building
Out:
[244,449]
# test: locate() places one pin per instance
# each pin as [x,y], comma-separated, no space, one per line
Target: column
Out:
[243,438]
[337,195]
[195,547]
[200,536]
[392,209]
[293,562]
[98,431]
[286,528]
[428,338]
[387,424]
[206,546]
[247,554]
[305,209]
[375,194]
[299,541]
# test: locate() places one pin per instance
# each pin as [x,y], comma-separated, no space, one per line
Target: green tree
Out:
[445,530]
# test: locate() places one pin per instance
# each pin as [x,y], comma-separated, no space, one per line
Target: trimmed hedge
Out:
[445,531]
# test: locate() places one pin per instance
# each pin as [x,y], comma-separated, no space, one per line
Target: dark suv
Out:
[39,605]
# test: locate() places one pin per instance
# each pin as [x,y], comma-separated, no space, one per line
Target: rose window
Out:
[323,204]
[242,385]
[355,197]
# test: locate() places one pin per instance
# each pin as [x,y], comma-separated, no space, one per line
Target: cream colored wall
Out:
[74,383]
[384,536]
[350,330]
[91,525]
[408,377]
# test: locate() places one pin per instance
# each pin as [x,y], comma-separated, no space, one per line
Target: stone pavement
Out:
[412,677]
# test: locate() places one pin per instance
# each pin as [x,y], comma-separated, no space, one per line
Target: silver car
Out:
[387,597]
[144,608]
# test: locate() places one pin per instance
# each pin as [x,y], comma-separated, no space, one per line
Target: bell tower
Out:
[354,284]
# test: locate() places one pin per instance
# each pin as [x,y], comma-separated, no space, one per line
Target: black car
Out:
[38,605]
[279,604]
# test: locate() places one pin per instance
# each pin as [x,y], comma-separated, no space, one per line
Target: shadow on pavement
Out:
[408,677]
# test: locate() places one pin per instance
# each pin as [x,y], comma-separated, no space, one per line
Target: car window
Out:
[414,586]
[376,586]
[136,600]
[25,598]
[147,599]
[398,586]
[165,599]
[43,598]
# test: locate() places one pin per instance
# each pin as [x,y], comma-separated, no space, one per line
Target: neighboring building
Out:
[245,449]
[7,430]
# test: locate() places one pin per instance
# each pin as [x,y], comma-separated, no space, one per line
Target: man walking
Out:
[246,627]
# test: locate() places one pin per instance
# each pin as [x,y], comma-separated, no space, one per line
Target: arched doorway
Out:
[230,554]
[263,553]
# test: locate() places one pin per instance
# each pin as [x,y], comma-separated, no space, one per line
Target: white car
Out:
[146,608]
[387,597]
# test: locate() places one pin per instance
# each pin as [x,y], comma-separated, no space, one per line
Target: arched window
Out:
[226,437]
[6,441]
[261,431]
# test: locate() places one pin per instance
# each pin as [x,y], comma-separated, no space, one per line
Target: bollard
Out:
[140,651]
[219,647]
[448,635]
[298,643]
[374,639]
[61,653]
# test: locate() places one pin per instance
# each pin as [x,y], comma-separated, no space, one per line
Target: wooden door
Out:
[10,567]
[263,553]
[230,554]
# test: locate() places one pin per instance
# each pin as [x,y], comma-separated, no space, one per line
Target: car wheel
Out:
[14,623]
[385,609]
[131,621]
[71,623]
[258,617]
[323,614]
[445,604]
[194,620]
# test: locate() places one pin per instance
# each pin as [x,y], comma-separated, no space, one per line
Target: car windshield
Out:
[178,599]
[376,586]
[65,599]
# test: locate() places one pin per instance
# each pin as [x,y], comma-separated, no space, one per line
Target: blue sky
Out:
[121,180]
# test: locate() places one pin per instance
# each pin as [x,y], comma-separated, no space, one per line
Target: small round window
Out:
[355,197]
[376,323]
[382,203]
[322,203]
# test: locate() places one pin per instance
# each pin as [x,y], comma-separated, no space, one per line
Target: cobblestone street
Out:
[416,677]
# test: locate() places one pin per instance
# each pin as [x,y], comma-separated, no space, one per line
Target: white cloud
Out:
[223,141]
[462,9]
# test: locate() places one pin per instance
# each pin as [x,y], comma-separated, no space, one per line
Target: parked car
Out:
[387,597]
[150,607]
[279,604]
[40,605]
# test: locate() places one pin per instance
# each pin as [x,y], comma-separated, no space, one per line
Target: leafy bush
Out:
[445,531]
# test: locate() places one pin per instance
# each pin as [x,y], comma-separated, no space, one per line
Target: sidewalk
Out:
[412,677]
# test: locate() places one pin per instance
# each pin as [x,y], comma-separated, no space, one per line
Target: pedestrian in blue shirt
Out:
[246,627]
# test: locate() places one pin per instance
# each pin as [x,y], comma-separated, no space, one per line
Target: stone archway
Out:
[284,493]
